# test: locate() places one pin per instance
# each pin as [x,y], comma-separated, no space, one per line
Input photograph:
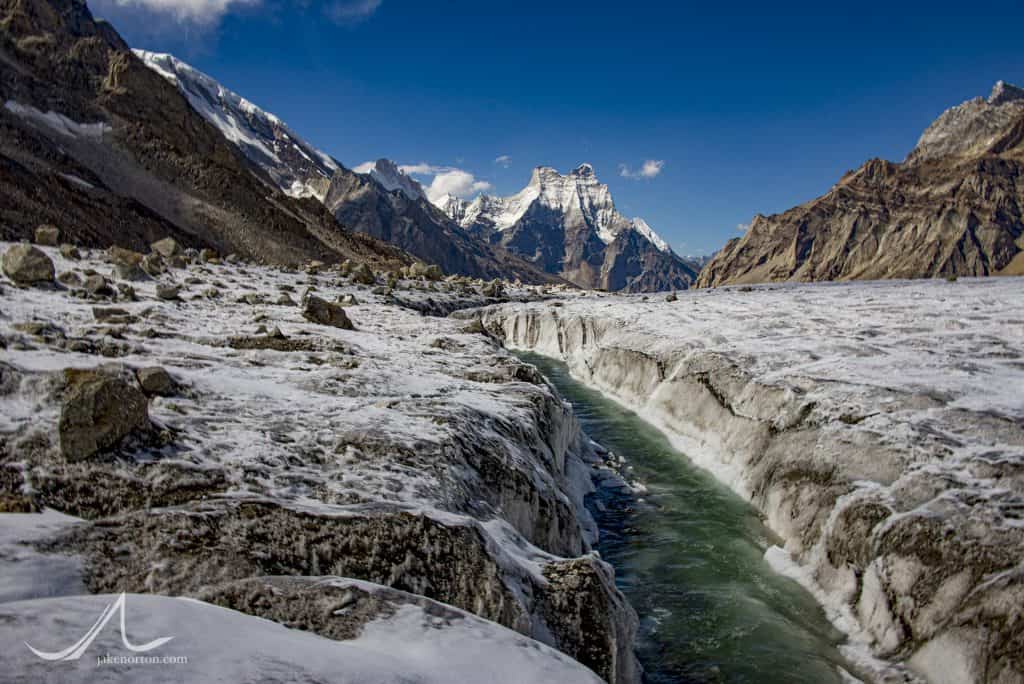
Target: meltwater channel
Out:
[689,555]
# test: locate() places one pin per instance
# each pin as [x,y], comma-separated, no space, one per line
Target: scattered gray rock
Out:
[152,264]
[70,278]
[348,300]
[47,235]
[126,291]
[494,289]
[70,252]
[98,410]
[285,300]
[167,292]
[131,272]
[362,274]
[671,297]
[167,248]
[112,314]
[321,311]
[27,265]
[155,380]
[98,286]
[120,255]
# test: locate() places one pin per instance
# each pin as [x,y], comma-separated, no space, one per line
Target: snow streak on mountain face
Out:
[295,166]
[579,194]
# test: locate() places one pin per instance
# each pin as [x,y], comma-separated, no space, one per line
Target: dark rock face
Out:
[954,207]
[142,165]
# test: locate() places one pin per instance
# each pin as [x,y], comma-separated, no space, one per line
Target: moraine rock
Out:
[155,380]
[98,286]
[120,255]
[70,252]
[27,265]
[362,274]
[167,248]
[99,409]
[47,235]
[167,292]
[317,310]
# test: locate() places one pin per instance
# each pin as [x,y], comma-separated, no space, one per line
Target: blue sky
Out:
[748,107]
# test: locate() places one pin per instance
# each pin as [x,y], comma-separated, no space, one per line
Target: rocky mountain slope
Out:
[953,207]
[334,462]
[568,225]
[879,427]
[296,167]
[98,144]
[384,202]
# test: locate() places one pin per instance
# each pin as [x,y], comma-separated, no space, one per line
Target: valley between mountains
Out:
[278,406]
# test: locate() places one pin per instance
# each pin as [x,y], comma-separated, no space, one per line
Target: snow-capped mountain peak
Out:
[640,226]
[298,168]
[577,193]
[387,173]
[568,225]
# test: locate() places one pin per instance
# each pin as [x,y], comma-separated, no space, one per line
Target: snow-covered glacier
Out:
[878,426]
[406,495]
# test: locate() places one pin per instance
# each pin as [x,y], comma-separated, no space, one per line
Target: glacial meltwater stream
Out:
[689,555]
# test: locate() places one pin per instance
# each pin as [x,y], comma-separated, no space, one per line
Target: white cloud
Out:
[201,16]
[649,169]
[444,180]
[201,12]
[351,11]
[455,182]
[743,227]
[503,161]
[423,169]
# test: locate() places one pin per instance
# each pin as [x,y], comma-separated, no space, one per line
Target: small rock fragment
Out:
[167,292]
[47,235]
[70,252]
[155,380]
[167,248]
[321,311]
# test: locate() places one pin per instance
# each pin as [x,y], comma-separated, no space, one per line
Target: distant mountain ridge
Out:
[383,202]
[953,208]
[98,144]
[568,225]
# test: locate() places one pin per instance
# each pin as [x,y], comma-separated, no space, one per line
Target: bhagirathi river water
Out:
[689,555]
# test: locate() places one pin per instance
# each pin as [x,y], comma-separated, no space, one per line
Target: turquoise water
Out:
[688,554]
